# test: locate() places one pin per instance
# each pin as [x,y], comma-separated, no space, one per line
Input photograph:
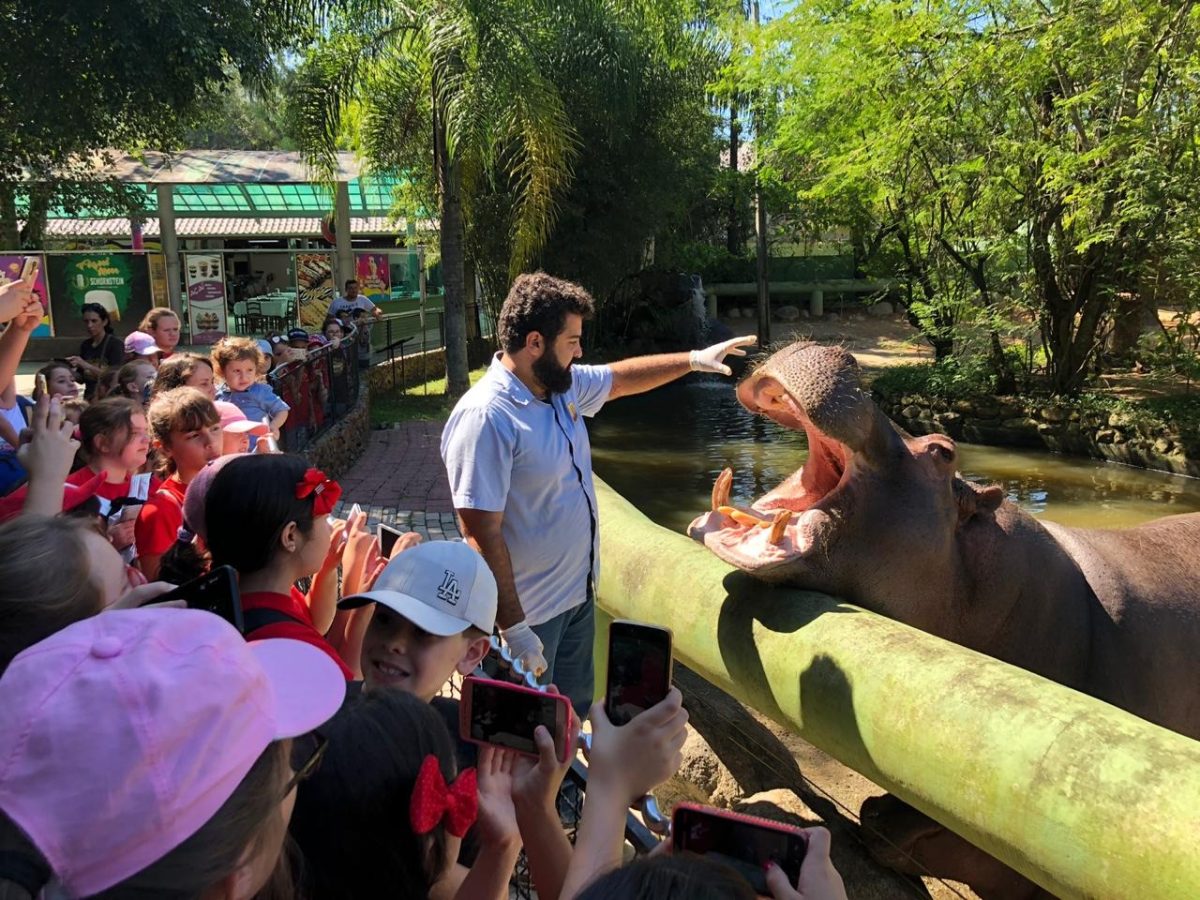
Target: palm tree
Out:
[465,78]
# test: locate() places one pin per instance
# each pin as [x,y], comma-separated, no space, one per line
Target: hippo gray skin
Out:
[883,520]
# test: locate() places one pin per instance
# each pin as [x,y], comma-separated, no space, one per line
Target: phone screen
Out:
[507,717]
[387,540]
[743,846]
[215,592]
[639,669]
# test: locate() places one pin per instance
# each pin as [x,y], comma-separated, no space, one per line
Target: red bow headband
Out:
[432,801]
[324,491]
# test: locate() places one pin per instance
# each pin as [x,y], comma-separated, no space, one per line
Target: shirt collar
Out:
[510,384]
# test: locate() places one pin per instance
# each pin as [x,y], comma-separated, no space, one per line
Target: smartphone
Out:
[639,669]
[29,269]
[506,715]
[387,539]
[215,592]
[744,843]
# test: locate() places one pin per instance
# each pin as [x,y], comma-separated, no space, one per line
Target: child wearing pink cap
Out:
[186,429]
[184,784]
[236,429]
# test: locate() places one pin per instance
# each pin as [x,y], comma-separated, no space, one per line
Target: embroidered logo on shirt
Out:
[448,591]
[571,410]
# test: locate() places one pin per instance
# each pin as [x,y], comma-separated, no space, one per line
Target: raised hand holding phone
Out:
[818,880]
[508,715]
[639,669]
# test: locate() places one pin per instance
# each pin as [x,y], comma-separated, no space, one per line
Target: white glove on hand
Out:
[524,645]
[711,359]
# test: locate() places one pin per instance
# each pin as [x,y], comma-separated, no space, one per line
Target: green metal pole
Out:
[1085,799]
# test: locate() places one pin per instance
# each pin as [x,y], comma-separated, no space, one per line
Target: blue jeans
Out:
[567,641]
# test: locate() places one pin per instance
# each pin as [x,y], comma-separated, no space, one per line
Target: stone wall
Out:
[1045,425]
[416,368]
[335,451]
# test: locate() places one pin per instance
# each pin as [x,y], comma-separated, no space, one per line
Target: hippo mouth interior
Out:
[794,519]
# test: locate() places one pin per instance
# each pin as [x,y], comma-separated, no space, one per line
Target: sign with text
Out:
[207,315]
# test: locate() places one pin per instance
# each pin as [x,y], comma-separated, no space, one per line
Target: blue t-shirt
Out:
[257,401]
[507,451]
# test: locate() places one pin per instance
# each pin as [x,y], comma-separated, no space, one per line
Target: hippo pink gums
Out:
[882,519]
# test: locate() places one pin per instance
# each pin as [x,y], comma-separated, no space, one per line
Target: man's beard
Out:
[554,378]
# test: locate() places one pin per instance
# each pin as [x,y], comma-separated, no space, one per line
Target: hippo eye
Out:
[946,453]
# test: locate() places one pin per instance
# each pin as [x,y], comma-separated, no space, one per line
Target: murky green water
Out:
[663,450]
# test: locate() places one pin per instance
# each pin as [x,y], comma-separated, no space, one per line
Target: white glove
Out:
[712,359]
[524,645]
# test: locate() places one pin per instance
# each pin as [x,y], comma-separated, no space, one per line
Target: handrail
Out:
[1081,797]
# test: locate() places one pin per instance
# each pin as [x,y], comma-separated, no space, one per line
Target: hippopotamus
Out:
[884,520]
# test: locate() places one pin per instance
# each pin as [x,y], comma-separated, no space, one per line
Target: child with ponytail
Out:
[186,431]
[269,518]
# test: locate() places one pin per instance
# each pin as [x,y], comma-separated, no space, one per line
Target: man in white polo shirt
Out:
[520,465]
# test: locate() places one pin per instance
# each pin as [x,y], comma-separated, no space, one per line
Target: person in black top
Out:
[100,350]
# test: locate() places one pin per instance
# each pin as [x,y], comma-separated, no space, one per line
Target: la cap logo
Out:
[448,591]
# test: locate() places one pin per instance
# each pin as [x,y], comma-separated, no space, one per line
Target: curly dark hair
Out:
[541,303]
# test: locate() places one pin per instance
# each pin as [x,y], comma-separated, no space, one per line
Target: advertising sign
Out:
[158,280]
[10,269]
[104,278]
[314,287]
[373,275]
[206,297]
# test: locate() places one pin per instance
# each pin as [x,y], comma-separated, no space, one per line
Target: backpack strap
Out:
[254,619]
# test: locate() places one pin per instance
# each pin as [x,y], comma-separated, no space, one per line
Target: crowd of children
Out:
[149,750]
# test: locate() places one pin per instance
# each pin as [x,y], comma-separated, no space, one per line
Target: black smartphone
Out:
[506,715]
[387,539]
[639,669]
[743,843]
[215,592]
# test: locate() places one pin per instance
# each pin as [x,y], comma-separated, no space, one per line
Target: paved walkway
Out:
[400,481]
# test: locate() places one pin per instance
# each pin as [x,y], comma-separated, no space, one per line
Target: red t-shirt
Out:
[293,605]
[108,490]
[159,520]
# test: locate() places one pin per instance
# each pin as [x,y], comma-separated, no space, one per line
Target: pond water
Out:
[663,450]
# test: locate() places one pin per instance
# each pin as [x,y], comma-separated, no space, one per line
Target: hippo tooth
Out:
[749,519]
[721,488]
[779,526]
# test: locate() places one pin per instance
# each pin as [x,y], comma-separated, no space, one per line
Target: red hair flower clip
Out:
[433,802]
[324,491]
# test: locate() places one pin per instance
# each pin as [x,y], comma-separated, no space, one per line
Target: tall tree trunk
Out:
[453,274]
[735,243]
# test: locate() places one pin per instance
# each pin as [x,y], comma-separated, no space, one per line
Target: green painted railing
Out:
[1082,797]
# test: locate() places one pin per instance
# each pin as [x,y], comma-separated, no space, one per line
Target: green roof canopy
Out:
[254,184]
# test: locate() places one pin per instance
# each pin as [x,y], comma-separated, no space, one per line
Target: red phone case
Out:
[464,712]
[736,817]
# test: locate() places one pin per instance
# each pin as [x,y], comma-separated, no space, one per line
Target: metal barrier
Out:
[320,389]
[404,334]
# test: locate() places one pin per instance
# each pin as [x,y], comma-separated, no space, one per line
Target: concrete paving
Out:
[400,481]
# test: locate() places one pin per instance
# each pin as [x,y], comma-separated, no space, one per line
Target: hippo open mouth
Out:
[814,389]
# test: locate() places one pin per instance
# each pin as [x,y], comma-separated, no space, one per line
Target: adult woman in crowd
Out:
[101,349]
[184,787]
[163,325]
[186,370]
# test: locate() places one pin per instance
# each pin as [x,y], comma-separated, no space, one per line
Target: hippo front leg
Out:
[908,841]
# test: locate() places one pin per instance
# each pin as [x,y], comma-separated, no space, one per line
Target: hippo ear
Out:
[975,500]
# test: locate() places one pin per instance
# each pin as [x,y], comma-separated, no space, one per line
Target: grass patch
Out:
[420,403]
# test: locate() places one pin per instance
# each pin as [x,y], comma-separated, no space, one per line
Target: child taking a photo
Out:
[240,364]
[186,431]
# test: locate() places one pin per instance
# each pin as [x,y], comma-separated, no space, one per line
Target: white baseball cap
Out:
[440,586]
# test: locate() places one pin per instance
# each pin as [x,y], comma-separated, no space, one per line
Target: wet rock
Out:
[787,313]
[1105,436]
[911,412]
[1054,414]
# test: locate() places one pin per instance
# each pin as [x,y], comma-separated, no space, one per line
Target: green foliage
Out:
[1029,154]
[84,77]
[952,378]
